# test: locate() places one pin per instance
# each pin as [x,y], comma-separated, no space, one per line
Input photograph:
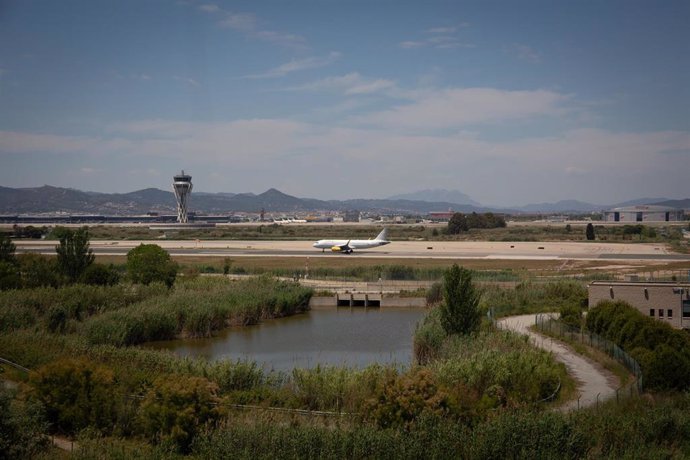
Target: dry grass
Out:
[537,267]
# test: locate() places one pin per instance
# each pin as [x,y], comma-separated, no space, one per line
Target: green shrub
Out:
[662,352]
[100,275]
[402,399]
[22,427]
[149,263]
[76,394]
[175,410]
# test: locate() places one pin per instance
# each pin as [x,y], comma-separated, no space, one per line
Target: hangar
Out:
[644,213]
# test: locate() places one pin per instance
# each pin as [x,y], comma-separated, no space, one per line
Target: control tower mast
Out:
[182,186]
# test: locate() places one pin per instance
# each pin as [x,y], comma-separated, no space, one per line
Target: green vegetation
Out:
[197,309]
[476,395]
[530,297]
[460,222]
[73,253]
[21,427]
[7,248]
[149,263]
[459,312]
[663,352]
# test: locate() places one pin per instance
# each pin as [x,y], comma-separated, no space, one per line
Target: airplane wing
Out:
[344,248]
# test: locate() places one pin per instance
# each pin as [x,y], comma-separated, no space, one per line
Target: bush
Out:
[435,294]
[76,394]
[39,271]
[21,428]
[9,276]
[428,338]
[148,263]
[571,315]
[662,352]
[100,275]
[175,410]
[401,400]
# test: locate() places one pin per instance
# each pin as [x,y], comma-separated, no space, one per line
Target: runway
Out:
[397,250]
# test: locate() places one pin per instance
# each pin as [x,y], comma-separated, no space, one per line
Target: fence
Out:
[547,324]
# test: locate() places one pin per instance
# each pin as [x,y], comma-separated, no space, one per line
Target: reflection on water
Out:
[353,337]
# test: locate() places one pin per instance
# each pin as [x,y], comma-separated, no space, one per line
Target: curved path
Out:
[593,382]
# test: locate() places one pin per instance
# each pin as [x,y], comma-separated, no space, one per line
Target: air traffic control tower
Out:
[182,186]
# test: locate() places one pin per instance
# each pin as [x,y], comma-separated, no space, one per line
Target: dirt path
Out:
[593,382]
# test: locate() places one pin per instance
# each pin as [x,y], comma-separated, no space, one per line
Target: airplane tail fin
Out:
[383,235]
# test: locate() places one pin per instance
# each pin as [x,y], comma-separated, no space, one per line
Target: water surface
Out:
[353,337]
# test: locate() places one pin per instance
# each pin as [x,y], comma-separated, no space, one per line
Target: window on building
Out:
[669,313]
[661,313]
[651,312]
[686,308]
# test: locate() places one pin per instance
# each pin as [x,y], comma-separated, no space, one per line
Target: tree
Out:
[7,249]
[459,311]
[149,263]
[589,232]
[73,253]
[457,224]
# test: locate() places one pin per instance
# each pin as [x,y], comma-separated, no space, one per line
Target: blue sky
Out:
[508,101]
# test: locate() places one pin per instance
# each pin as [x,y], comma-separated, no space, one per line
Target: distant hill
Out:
[437,196]
[48,199]
[680,204]
[561,206]
[638,202]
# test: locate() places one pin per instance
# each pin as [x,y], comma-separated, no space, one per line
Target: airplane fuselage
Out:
[353,244]
[347,246]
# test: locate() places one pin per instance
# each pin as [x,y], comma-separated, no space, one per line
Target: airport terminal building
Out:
[665,301]
[645,213]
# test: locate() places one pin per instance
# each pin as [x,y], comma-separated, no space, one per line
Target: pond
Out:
[354,337]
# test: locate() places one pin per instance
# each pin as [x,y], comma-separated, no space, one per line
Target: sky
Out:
[510,102]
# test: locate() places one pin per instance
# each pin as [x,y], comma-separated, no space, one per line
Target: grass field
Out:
[515,231]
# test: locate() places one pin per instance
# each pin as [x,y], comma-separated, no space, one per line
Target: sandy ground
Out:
[593,383]
[401,249]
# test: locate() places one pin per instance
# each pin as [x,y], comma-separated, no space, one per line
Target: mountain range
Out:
[48,199]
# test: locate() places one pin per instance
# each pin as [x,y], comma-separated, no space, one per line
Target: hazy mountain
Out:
[681,204]
[437,196]
[639,201]
[49,199]
[561,206]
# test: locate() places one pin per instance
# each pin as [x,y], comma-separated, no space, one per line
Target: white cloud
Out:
[259,153]
[187,80]
[350,84]
[209,8]
[248,24]
[525,53]
[439,38]
[455,107]
[298,65]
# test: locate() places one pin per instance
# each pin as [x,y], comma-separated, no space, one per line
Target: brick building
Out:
[665,301]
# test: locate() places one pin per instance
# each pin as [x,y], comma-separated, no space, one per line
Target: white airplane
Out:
[289,220]
[347,246]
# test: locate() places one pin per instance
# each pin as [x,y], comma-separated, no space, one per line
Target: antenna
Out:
[182,186]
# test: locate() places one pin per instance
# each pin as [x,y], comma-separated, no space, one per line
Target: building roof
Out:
[645,208]
[641,283]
